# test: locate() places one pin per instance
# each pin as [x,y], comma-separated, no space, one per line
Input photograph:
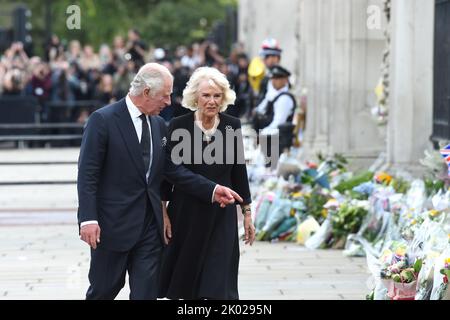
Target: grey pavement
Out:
[41,256]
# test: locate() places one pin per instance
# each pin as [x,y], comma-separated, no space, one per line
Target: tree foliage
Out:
[164,23]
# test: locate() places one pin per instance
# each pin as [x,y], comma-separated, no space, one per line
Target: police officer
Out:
[273,117]
[279,104]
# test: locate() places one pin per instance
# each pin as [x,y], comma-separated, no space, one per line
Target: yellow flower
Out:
[401,251]
[447,260]
[292,212]
[379,89]
[297,194]
[383,177]
[413,222]
[324,213]
[433,213]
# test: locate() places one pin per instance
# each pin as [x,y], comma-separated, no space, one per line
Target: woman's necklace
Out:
[208,132]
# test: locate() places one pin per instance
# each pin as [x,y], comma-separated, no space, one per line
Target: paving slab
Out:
[50,262]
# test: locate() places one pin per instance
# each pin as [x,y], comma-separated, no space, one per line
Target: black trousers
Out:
[108,268]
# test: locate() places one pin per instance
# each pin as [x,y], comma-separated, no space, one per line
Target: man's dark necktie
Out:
[145,142]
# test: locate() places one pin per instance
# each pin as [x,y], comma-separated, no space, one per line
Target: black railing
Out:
[21,121]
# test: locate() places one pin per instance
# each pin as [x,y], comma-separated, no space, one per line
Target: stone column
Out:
[340,68]
[411,96]
[315,71]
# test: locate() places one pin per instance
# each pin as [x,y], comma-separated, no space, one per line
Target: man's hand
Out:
[249,229]
[167,225]
[90,234]
[225,196]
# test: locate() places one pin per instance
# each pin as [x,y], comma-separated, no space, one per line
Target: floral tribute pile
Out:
[400,224]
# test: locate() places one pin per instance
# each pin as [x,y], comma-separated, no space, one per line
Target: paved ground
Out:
[41,256]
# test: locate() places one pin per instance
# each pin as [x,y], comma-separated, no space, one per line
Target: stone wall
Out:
[335,57]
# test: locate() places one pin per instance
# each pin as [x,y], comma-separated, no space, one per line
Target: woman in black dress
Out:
[202,258]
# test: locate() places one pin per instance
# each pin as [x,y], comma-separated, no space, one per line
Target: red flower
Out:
[311,165]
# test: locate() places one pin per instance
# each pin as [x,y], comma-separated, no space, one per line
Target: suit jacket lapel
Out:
[156,141]
[128,132]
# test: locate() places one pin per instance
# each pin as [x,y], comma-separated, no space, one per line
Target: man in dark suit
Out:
[123,159]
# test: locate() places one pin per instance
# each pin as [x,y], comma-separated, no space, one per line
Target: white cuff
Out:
[88,222]
[214,192]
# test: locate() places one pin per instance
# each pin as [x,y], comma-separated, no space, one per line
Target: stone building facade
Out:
[335,49]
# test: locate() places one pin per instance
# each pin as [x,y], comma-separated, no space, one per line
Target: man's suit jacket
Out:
[112,186]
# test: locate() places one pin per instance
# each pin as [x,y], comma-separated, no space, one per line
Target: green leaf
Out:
[445,272]
[418,265]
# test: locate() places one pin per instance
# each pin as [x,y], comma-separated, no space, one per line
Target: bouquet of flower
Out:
[306,229]
[328,168]
[416,197]
[279,211]
[441,289]
[363,191]
[375,224]
[425,278]
[410,226]
[347,220]
[397,208]
[262,209]
[400,277]
[437,172]
[314,202]
[355,181]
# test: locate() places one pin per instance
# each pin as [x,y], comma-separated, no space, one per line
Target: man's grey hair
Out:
[149,76]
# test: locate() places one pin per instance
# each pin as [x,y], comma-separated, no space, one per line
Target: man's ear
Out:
[146,92]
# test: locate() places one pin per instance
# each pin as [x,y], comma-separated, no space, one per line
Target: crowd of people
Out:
[74,72]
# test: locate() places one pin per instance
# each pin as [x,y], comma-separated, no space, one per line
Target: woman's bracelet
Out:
[245,210]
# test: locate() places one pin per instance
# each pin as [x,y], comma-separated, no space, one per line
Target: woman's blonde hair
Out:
[207,73]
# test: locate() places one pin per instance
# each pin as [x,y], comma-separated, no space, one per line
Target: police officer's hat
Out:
[278,71]
[270,47]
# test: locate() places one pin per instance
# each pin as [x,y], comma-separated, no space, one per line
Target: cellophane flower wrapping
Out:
[441,277]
